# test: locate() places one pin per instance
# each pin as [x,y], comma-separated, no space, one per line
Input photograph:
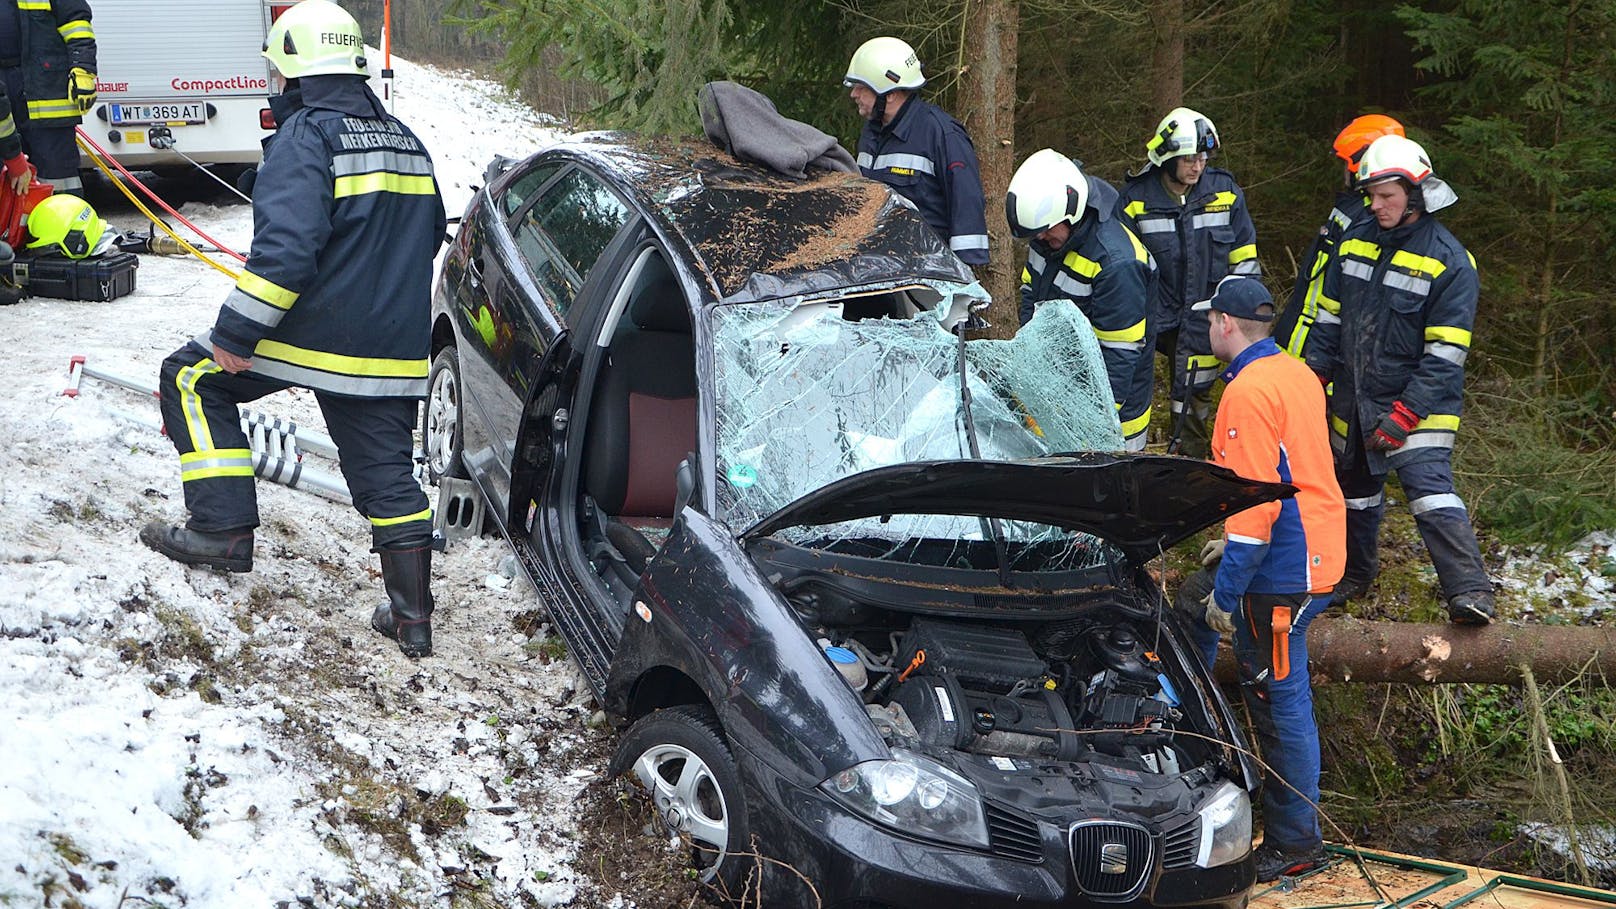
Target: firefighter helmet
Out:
[1181,132]
[1351,142]
[67,223]
[1401,158]
[316,38]
[1048,188]
[884,64]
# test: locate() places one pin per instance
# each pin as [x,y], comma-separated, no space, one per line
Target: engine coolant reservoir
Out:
[847,663]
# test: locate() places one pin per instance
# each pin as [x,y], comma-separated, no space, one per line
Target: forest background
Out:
[1515,100]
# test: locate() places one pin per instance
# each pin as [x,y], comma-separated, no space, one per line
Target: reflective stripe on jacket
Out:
[1270,427]
[1196,242]
[10,142]
[1407,298]
[336,294]
[56,36]
[927,157]
[1310,326]
[1107,272]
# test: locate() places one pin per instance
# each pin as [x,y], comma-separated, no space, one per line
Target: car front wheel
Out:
[441,428]
[681,758]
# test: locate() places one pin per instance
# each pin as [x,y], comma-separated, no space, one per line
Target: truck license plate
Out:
[140,113]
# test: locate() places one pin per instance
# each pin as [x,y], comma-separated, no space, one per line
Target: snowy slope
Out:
[172,736]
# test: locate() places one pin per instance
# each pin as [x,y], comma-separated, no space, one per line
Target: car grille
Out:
[1181,844]
[1013,836]
[1111,860]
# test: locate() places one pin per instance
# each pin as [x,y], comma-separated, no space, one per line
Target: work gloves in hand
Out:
[1218,620]
[1393,429]
[18,176]
[81,88]
[1212,552]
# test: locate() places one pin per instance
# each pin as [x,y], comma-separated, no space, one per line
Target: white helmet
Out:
[884,64]
[1401,158]
[1181,132]
[316,38]
[1048,188]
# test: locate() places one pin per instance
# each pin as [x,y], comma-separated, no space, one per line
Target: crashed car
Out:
[869,599]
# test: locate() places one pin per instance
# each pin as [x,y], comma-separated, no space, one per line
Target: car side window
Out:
[565,231]
[526,187]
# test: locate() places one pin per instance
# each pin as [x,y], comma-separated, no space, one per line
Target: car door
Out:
[537,268]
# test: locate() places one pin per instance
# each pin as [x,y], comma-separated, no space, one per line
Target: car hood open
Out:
[1143,504]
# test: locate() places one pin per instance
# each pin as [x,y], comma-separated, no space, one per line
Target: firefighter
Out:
[1193,219]
[18,178]
[335,297]
[1276,564]
[1077,250]
[47,53]
[916,148]
[1406,291]
[1306,331]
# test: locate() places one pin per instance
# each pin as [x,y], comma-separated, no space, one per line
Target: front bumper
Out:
[857,864]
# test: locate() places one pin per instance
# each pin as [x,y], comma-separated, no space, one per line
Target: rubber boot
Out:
[230,550]
[407,614]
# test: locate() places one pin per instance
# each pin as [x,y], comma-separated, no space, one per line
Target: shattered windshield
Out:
[806,396]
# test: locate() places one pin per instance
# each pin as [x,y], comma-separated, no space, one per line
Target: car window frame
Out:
[515,221]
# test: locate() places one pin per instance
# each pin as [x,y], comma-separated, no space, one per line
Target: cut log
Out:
[1345,649]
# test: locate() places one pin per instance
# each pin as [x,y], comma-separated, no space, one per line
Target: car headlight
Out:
[1225,827]
[915,795]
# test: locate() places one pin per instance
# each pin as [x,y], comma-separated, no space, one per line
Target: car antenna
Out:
[990,526]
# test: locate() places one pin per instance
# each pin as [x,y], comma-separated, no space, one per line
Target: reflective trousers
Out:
[1270,646]
[374,438]
[1192,370]
[1439,513]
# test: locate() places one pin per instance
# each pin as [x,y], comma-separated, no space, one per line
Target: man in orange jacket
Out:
[1279,561]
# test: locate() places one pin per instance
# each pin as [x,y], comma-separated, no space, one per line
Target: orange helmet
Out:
[1351,141]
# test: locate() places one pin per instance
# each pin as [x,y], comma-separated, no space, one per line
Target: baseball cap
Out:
[1240,297]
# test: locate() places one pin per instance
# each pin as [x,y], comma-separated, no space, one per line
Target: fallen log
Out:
[1344,649]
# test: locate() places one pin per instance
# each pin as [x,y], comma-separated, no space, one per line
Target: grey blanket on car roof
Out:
[746,124]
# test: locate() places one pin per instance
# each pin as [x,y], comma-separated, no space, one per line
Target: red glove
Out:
[1393,429]
[16,167]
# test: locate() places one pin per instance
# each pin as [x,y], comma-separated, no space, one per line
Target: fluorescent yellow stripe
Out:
[44,110]
[1223,198]
[1242,253]
[8,127]
[1451,335]
[1134,332]
[1447,421]
[1199,361]
[1139,251]
[1136,425]
[342,364]
[389,522]
[33,4]
[1026,276]
[1360,248]
[1088,268]
[196,422]
[1421,264]
[383,182]
[78,28]
[191,457]
[1134,209]
[266,290]
[1329,304]
[208,473]
[1338,425]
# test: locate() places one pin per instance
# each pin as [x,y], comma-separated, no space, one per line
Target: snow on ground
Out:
[172,736]
[1580,581]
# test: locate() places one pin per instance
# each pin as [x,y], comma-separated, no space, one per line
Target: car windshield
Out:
[806,396]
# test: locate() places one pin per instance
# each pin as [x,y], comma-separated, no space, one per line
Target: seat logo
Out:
[1113,858]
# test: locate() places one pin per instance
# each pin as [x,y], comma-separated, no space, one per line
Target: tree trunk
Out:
[1166,60]
[1349,650]
[987,107]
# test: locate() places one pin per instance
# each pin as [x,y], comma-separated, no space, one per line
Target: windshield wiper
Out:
[990,526]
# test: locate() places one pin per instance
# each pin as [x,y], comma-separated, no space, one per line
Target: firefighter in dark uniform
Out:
[1193,219]
[916,148]
[17,178]
[47,53]
[1077,250]
[336,297]
[1406,290]
[1307,331]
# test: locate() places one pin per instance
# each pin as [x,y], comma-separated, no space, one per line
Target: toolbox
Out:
[104,277]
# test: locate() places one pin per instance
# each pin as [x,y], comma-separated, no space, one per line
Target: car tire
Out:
[444,419]
[681,757]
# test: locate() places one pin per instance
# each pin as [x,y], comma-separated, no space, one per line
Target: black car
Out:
[823,557]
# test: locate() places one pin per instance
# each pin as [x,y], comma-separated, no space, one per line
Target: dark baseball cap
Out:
[1240,297]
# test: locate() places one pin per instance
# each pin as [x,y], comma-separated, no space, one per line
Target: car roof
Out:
[753,233]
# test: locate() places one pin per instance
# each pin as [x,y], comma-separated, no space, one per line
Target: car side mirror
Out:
[684,483]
